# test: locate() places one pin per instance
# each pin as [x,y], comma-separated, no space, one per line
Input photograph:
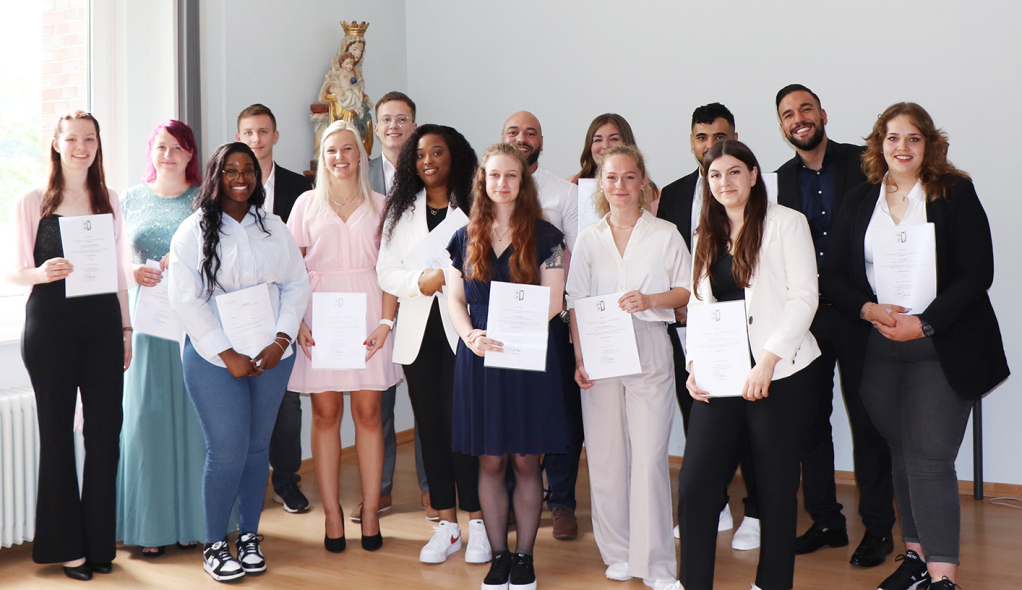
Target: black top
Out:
[287,187]
[435,216]
[722,280]
[676,205]
[47,240]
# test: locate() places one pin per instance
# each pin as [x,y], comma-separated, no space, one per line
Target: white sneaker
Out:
[663,584]
[478,548]
[446,540]
[747,536]
[249,553]
[677,532]
[726,522]
[220,564]
[618,572]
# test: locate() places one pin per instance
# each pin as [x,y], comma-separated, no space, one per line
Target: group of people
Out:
[203,422]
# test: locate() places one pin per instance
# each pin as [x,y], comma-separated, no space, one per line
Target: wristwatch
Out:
[927,328]
[565,316]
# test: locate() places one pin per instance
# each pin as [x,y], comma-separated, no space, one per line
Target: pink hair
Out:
[183,134]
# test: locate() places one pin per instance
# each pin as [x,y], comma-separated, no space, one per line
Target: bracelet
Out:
[282,349]
[865,313]
[284,338]
[388,323]
[127,329]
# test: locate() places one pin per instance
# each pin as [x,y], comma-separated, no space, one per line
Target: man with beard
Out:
[559,200]
[814,182]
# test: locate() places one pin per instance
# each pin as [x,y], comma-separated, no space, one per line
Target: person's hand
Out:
[305,339]
[270,356]
[693,389]
[165,262]
[375,340]
[478,343]
[757,384]
[238,364]
[127,349]
[581,377]
[633,301]
[431,280]
[681,315]
[905,328]
[880,313]
[54,269]
[147,276]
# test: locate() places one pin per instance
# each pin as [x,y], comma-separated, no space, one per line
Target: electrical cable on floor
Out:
[1007,501]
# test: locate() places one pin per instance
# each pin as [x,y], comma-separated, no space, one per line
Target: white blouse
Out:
[248,257]
[655,261]
[915,214]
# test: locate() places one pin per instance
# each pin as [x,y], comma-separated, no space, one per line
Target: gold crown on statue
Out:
[354,28]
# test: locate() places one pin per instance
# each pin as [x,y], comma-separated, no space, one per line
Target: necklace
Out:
[432,210]
[500,237]
[620,228]
[348,202]
[75,197]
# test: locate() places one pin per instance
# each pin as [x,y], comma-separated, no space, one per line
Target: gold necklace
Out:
[75,197]
[500,237]
[348,202]
[620,228]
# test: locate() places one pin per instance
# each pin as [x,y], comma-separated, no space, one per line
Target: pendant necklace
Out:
[348,202]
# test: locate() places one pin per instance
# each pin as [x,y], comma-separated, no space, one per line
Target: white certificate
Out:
[247,318]
[770,183]
[339,330]
[587,214]
[89,245]
[905,265]
[518,317]
[153,315]
[607,336]
[718,346]
[432,250]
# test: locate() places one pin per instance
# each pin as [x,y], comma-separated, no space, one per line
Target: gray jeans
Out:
[913,406]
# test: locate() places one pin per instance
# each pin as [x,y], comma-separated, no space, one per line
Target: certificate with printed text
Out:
[718,347]
[587,214]
[247,318]
[607,337]
[905,265]
[518,317]
[339,330]
[431,253]
[153,315]
[89,245]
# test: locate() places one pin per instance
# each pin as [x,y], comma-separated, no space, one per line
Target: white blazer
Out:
[399,279]
[781,299]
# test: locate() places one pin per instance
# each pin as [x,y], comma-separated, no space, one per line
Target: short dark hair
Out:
[794,88]
[708,113]
[395,95]
[254,111]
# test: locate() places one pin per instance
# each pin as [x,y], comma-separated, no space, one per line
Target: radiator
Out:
[19,465]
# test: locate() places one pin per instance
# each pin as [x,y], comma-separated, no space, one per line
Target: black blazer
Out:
[966,334]
[676,205]
[287,187]
[848,161]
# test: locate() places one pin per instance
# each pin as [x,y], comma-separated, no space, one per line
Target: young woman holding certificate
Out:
[433,181]
[924,366]
[335,226]
[72,344]
[503,415]
[628,419]
[227,249]
[748,249]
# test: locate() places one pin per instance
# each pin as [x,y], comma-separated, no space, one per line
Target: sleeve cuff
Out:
[215,341]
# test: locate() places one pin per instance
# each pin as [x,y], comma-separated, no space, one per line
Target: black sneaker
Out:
[219,563]
[910,575]
[500,571]
[818,537]
[523,576]
[291,496]
[944,584]
[249,554]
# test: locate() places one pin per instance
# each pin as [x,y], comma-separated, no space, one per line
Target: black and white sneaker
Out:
[220,564]
[291,496]
[500,571]
[944,584]
[523,576]
[249,554]
[910,575]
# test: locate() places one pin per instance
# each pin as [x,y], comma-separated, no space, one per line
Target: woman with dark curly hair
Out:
[227,245]
[433,178]
[924,366]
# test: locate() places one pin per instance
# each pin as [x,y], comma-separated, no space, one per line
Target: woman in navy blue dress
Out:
[502,414]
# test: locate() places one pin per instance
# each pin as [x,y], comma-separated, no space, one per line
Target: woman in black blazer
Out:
[922,371]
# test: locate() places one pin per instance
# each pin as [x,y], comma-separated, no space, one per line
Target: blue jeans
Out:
[237,417]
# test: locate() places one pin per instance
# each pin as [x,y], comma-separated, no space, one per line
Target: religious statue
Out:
[342,96]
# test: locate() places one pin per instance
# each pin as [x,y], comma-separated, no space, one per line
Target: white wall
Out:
[471,64]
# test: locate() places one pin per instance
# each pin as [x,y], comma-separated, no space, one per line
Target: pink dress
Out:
[341,258]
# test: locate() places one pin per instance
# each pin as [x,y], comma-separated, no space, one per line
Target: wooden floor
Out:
[293,545]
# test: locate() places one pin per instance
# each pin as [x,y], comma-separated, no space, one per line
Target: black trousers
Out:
[843,341]
[713,444]
[71,345]
[452,476]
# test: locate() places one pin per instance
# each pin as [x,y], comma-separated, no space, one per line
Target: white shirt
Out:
[388,174]
[559,200]
[248,257]
[915,214]
[697,206]
[268,188]
[655,261]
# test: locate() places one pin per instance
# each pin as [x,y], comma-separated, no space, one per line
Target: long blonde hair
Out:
[327,183]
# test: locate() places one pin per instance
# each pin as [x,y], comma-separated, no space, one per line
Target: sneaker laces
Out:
[441,539]
[219,550]
[249,543]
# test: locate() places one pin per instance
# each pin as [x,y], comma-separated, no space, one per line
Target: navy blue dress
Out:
[505,411]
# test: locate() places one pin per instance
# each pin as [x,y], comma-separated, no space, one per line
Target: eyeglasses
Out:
[399,121]
[231,174]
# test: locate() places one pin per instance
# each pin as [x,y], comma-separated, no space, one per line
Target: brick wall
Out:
[64,70]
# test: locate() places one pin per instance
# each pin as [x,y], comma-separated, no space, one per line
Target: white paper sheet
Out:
[770,182]
[905,265]
[153,315]
[89,245]
[607,336]
[339,330]
[518,317]
[587,214]
[718,346]
[432,250]
[247,318]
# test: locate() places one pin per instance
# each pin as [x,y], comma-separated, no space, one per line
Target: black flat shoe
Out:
[817,537]
[79,572]
[153,554]
[872,551]
[335,545]
[100,568]
[371,543]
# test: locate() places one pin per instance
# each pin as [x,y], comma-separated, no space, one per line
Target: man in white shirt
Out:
[559,199]
[257,128]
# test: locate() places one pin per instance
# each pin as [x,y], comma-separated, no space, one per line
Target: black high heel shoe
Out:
[371,543]
[339,544]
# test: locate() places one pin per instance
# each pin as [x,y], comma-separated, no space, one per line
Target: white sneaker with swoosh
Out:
[446,540]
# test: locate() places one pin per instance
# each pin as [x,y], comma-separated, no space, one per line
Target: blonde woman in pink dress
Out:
[335,227]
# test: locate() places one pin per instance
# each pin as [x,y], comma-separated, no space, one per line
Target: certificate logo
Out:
[901,237]
[87,225]
[520,295]
[601,305]
[715,315]
[339,302]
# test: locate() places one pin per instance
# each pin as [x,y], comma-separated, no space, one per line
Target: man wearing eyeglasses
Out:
[395,122]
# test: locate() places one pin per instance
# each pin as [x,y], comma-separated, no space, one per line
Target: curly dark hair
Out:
[407,183]
[208,201]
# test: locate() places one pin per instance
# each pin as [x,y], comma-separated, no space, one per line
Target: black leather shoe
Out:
[817,537]
[100,568]
[373,542]
[873,550]
[81,573]
[337,545]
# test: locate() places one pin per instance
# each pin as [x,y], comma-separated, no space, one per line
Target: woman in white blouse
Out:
[627,420]
[747,249]
[227,245]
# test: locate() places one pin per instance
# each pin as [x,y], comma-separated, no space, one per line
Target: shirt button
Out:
[821,253]
[824,233]
[823,212]
[819,192]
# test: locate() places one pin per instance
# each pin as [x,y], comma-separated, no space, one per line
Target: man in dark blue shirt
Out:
[814,182]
